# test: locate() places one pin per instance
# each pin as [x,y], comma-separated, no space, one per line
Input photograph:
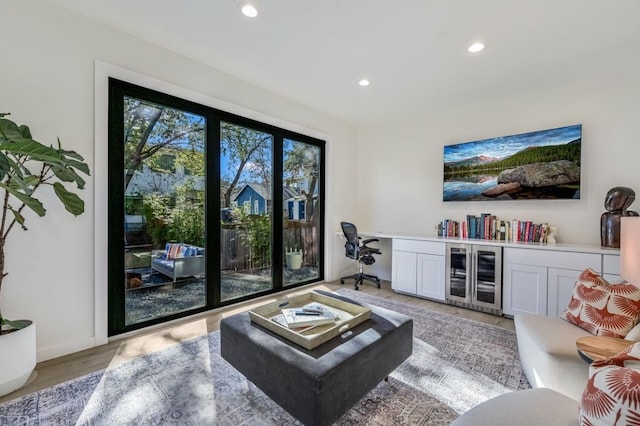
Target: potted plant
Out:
[26,167]
[293,258]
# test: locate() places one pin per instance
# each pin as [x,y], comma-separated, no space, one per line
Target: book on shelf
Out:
[308,315]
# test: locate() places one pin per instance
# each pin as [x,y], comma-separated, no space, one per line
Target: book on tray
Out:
[308,315]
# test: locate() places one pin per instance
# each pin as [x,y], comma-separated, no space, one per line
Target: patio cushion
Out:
[174,250]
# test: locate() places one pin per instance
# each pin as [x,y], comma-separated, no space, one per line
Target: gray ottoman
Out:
[318,386]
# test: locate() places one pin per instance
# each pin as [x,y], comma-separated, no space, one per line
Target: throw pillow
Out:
[612,394]
[174,250]
[601,308]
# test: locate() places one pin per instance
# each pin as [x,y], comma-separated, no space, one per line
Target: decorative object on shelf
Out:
[26,168]
[616,202]
[537,165]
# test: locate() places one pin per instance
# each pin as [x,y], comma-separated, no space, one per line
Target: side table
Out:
[595,348]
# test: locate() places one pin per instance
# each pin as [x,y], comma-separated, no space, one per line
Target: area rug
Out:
[456,364]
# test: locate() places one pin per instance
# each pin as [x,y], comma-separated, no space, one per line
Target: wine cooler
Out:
[474,277]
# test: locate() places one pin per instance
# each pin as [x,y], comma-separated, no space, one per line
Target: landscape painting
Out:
[537,165]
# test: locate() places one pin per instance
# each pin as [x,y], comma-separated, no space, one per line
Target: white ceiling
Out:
[413,51]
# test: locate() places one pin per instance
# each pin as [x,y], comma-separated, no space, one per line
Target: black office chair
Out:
[356,250]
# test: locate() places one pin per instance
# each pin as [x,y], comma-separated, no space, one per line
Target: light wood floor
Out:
[117,351]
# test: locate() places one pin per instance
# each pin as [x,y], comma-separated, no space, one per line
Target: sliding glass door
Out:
[301,219]
[206,208]
[246,204]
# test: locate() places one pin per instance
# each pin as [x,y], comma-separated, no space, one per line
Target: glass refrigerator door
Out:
[458,272]
[487,276]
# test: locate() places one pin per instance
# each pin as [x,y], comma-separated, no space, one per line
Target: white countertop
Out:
[583,248]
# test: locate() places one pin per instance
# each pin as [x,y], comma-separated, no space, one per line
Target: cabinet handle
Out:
[474,278]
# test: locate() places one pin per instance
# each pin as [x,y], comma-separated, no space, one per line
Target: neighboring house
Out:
[294,203]
[147,181]
[255,198]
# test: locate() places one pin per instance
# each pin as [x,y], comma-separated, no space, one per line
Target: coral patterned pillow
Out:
[601,308]
[612,394]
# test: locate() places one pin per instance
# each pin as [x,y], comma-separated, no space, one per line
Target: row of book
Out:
[488,227]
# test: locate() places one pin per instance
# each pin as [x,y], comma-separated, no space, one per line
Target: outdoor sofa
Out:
[178,260]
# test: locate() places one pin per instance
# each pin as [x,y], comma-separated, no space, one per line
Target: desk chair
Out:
[353,249]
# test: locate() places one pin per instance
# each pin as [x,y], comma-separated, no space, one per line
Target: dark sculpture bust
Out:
[616,203]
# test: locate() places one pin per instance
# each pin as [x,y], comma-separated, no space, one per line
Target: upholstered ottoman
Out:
[318,386]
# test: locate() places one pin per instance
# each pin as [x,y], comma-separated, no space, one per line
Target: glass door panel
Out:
[164,214]
[488,277]
[246,190]
[458,273]
[301,218]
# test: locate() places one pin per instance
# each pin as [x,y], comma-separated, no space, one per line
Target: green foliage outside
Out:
[257,235]
[543,154]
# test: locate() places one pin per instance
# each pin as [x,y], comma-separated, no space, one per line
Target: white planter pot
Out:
[18,354]
[294,260]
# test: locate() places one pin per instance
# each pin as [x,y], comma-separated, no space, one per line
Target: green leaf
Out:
[5,167]
[19,218]
[33,203]
[71,174]
[17,324]
[71,201]
[63,174]
[83,167]
[32,149]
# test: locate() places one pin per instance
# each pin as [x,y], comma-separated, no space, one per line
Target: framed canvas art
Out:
[541,165]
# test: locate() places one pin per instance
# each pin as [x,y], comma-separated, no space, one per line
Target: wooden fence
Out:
[235,253]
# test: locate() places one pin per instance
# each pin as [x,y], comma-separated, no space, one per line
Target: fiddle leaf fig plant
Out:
[26,167]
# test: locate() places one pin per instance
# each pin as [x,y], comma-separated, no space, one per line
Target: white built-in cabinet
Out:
[535,279]
[418,268]
[541,281]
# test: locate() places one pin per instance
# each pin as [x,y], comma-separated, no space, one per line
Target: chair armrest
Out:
[371,240]
[158,253]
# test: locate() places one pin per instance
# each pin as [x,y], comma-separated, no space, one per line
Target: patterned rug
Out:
[456,364]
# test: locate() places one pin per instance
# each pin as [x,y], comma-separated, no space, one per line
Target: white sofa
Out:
[531,407]
[548,353]
[557,374]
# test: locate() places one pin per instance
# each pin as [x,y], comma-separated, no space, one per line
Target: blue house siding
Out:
[248,194]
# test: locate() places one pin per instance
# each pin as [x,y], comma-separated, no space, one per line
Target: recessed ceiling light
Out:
[476,47]
[249,10]
[364,82]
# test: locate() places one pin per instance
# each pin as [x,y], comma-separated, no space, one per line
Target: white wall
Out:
[403,190]
[47,82]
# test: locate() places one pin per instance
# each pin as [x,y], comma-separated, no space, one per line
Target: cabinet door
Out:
[525,289]
[560,288]
[404,272]
[430,274]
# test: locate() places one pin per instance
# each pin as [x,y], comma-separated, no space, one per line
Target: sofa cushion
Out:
[601,308]
[175,250]
[190,251]
[612,394]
